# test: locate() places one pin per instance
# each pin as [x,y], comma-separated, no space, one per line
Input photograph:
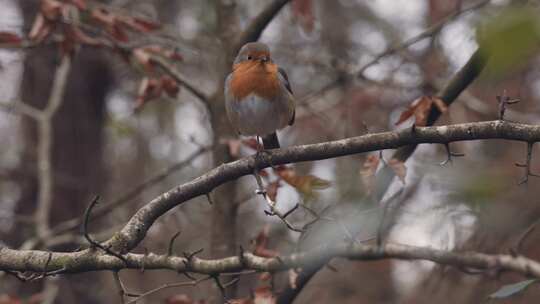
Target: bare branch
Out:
[45,141]
[89,260]
[135,230]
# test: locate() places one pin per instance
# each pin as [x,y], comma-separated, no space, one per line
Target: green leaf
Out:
[511,289]
[511,38]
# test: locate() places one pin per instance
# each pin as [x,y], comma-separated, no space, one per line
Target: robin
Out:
[258,96]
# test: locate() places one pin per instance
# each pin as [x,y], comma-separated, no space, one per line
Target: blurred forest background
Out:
[110,135]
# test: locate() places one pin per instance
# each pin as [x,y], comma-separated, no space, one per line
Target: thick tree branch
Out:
[254,30]
[135,230]
[88,260]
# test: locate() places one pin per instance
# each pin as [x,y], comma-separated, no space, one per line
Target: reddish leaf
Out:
[148,89]
[399,168]
[261,243]
[367,173]
[305,184]
[420,108]
[272,189]
[142,56]
[11,38]
[253,144]
[303,11]
[110,21]
[170,86]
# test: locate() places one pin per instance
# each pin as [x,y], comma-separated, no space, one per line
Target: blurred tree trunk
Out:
[225,210]
[77,149]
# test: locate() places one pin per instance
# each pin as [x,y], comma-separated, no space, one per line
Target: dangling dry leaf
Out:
[261,244]
[170,86]
[367,173]
[399,168]
[307,185]
[420,109]
[252,143]
[149,89]
[110,22]
[303,11]
[272,189]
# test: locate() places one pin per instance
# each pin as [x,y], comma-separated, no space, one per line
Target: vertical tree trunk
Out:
[77,138]
[225,210]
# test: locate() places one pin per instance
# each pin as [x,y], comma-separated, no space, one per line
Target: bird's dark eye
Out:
[249,57]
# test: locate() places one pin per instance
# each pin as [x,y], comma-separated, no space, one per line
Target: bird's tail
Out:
[270,141]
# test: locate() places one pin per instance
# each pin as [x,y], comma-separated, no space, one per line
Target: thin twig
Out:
[87,213]
[171,243]
[449,155]
[44,147]
[527,165]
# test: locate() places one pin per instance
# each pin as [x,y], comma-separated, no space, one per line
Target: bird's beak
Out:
[263,59]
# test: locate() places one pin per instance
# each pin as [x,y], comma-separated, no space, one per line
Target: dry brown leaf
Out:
[253,144]
[272,190]
[170,86]
[420,109]
[399,168]
[149,89]
[261,244]
[307,185]
[303,11]
[367,173]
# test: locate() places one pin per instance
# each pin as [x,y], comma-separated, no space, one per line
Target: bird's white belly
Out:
[258,116]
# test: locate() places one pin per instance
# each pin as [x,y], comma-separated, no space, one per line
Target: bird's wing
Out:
[285,81]
[230,101]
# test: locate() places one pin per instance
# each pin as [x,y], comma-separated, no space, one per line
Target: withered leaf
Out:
[367,173]
[420,108]
[399,168]
[307,185]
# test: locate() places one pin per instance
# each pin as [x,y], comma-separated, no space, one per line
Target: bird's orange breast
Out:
[253,77]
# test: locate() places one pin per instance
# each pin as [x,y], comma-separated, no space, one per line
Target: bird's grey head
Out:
[253,51]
